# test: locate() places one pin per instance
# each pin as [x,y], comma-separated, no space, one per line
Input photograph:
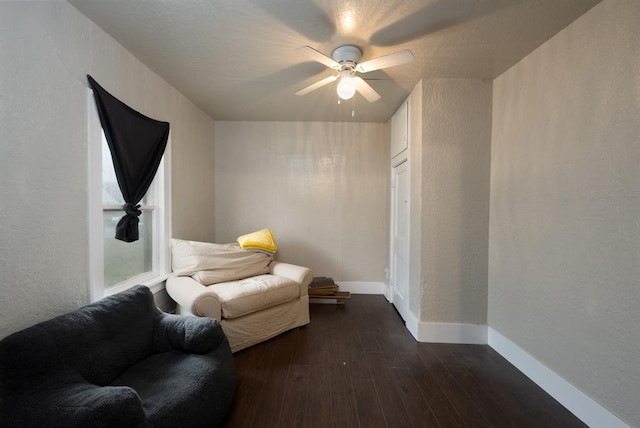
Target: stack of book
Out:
[323,289]
[322,286]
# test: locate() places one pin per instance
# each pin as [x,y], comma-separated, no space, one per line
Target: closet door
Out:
[400,130]
[399,280]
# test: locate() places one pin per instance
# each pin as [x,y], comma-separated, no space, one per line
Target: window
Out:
[116,265]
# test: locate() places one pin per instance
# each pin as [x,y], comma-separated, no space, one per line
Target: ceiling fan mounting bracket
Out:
[347,56]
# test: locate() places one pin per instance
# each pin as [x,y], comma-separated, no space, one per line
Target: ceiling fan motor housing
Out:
[347,56]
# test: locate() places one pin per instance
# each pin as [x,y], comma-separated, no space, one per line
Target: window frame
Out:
[161,235]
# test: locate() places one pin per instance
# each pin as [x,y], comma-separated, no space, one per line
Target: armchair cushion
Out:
[179,390]
[238,298]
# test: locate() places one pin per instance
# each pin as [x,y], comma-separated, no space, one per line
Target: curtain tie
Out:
[132,209]
[127,227]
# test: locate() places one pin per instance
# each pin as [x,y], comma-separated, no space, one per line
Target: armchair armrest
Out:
[191,334]
[198,299]
[73,404]
[299,274]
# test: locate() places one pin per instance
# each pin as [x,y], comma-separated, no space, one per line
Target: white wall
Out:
[564,265]
[321,187]
[415,200]
[193,180]
[456,149]
[47,48]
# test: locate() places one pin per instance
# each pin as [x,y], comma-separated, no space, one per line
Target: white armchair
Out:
[250,310]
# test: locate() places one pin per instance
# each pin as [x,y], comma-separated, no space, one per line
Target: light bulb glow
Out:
[348,20]
[346,86]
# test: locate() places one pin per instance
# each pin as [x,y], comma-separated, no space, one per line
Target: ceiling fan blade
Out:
[367,91]
[385,61]
[318,56]
[318,84]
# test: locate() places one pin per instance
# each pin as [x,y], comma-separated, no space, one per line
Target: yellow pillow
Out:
[261,240]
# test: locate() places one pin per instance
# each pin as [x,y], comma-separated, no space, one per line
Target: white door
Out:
[400,236]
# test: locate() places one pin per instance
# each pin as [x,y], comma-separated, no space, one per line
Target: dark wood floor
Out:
[356,365]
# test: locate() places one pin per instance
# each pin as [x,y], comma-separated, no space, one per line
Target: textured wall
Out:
[43,162]
[193,174]
[415,200]
[456,150]
[564,267]
[321,187]
[47,48]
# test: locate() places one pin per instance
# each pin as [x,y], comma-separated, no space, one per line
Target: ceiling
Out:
[236,59]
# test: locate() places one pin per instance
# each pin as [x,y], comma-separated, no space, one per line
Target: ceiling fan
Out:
[345,60]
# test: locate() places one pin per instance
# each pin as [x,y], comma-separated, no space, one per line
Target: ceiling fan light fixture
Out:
[346,85]
[346,60]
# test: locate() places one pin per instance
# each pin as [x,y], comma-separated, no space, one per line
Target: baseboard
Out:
[423,331]
[387,293]
[435,332]
[412,322]
[578,403]
[362,287]
[452,333]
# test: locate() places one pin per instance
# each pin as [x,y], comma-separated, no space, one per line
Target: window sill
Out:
[154,281]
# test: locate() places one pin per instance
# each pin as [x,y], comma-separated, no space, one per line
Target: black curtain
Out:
[137,144]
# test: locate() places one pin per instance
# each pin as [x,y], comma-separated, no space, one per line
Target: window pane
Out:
[111,194]
[124,260]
